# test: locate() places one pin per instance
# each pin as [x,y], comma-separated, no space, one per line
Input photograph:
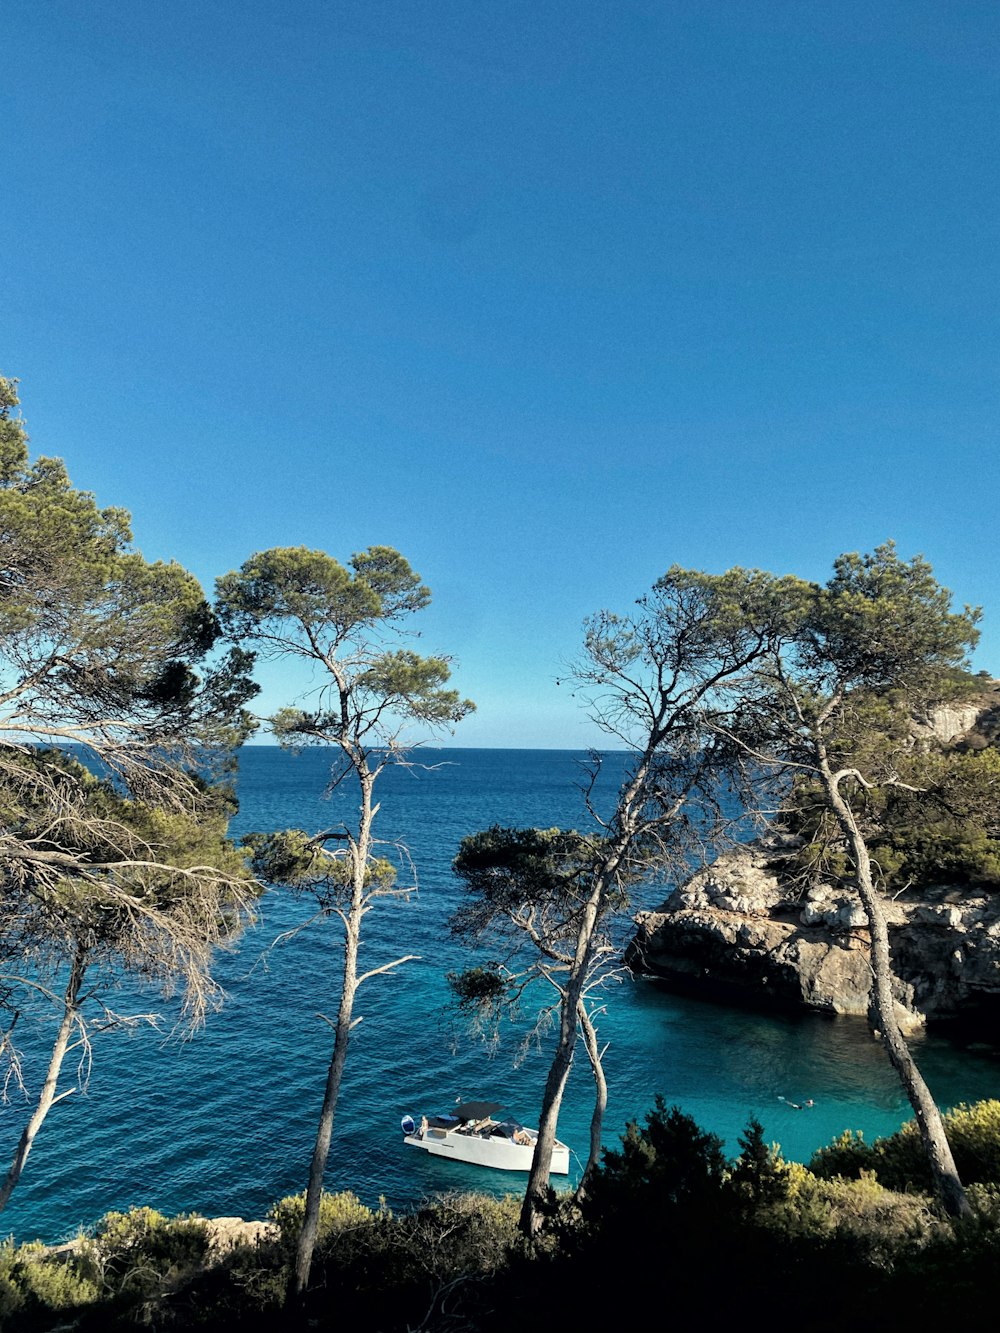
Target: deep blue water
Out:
[223,1124]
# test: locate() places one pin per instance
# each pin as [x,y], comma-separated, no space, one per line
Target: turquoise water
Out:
[223,1124]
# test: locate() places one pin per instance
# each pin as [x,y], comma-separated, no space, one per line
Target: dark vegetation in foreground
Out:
[669,1222]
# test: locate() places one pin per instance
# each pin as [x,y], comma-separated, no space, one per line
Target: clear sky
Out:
[549,295]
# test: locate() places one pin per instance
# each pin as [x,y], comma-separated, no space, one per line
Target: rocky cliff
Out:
[734,930]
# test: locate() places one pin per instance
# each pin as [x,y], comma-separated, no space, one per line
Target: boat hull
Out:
[494,1151]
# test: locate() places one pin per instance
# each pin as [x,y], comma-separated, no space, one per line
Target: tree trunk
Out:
[562,1061]
[947,1183]
[48,1093]
[360,851]
[530,1221]
[600,1100]
[555,1085]
[321,1151]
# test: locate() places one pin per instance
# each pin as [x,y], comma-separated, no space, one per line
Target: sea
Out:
[222,1124]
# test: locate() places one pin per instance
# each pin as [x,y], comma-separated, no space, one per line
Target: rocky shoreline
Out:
[735,930]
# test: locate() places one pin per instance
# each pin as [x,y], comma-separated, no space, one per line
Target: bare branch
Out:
[388,967]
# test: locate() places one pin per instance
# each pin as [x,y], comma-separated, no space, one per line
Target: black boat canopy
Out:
[476,1110]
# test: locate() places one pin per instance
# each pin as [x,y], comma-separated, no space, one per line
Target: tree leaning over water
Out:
[298,603]
[831,706]
[113,759]
[524,892]
[649,678]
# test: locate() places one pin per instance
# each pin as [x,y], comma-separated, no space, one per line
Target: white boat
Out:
[471,1133]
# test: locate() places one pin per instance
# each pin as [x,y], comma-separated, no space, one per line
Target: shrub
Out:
[974,1134]
[848,1155]
[35,1283]
[131,1262]
[941,825]
[899,1161]
[668,1162]
[462,1233]
[882,1222]
[141,1253]
[759,1177]
[397,1270]
[337,1213]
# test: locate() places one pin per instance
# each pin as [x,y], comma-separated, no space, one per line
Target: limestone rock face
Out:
[972,722]
[732,929]
[949,723]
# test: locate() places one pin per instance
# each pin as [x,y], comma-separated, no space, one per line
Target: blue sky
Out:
[548,295]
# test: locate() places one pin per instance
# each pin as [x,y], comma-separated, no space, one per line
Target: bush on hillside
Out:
[759,1177]
[940,826]
[338,1213]
[35,1284]
[898,1162]
[667,1162]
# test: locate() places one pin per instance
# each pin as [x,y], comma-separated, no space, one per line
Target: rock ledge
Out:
[733,929]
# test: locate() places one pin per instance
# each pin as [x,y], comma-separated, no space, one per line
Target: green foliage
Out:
[289,857]
[898,1161]
[948,831]
[527,862]
[877,1257]
[312,588]
[478,989]
[118,863]
[293,582]
[97,645]
[90,630]
[668,1163]
[848,1155]
[171,885]
[13,437]
[299,861]
[383,1274]
[691,619]
[456,1235]
[883,623]
[851,663]
[141,1254]
[526,894]
[759,1177]
[412,684]
[941,827]
[507,872]
[338,1213]
[34,1285]
[861,1216]
[373,1269]
[122,1273]
[305,603]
